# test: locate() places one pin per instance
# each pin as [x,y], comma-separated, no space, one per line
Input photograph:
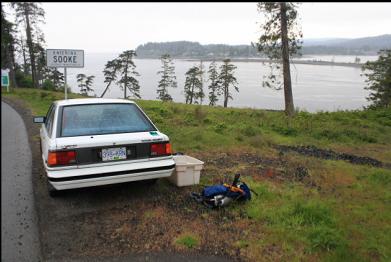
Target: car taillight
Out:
[61,158]
[160,149]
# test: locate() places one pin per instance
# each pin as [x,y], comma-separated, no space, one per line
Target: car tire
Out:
[150,181]
[52,191]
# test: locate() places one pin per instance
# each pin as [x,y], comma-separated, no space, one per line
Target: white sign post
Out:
[65,58]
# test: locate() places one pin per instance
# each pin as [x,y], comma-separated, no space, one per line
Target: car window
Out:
[49,120]
[98,119]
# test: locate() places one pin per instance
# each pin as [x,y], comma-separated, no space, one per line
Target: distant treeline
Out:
[187,49]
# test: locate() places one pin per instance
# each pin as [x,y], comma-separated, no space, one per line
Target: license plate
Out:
[109,154]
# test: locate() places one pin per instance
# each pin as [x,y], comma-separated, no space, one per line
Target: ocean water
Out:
[315,87]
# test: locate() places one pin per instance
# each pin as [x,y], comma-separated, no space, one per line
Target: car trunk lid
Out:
[89,148]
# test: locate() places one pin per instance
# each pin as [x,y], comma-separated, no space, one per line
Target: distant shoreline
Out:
[265,60]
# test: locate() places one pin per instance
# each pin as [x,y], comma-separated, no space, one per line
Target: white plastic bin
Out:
[187,171]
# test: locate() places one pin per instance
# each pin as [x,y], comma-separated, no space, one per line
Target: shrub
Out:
[48,85]
[325,238]
[286,131]
[249,131]
[310,214]
[199,114]
[25,81]
[219,128]
[188,241]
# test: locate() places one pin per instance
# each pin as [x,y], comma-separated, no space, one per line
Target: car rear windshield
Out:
[99,119]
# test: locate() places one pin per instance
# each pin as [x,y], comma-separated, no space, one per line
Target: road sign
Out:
[64,58]
[5,78]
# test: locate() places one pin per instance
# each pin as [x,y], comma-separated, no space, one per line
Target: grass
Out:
[187,240]
[344,214]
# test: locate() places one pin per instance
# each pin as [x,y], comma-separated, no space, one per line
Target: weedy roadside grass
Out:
[187,240]
[343,214]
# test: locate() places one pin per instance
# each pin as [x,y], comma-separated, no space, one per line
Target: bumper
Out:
[113,174]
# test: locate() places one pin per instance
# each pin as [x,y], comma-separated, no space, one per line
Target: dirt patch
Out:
[220,167]
[332,155]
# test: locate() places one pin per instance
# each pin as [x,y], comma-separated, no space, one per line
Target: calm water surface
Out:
[315,87]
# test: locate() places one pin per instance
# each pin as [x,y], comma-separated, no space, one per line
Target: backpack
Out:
[223,194]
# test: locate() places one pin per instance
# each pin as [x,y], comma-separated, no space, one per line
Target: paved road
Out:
[19,229]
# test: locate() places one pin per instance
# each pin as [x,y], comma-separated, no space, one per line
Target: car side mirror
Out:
[39,119]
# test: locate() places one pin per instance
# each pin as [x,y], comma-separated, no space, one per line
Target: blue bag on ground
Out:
[211,191]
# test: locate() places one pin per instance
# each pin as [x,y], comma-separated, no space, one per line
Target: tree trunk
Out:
[202,81]
[30,45]
[25,67]
[192,93]
[226,86]
[107,88]
[126,79]
[11,59]
[289,107]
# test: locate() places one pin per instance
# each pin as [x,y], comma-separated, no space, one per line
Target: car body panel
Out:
[92,170]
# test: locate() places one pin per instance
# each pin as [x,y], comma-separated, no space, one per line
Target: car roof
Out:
[83,101]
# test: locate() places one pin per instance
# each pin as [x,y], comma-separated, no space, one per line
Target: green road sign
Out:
[5,80]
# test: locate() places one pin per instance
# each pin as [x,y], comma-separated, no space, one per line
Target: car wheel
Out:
[52,191]
[150,181]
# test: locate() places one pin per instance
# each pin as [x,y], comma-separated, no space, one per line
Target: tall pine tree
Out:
[30,14]
[192,85]
[168,78]
[8,43]
[110,72]
[378,75]
[227,79]
[214,84]
[128,73]
[279,40]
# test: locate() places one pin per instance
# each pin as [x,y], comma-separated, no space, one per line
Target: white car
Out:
[96,141]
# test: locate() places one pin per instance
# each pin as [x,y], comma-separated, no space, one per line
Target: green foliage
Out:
[7,41]
[110,72]
[325,238]
[279,40]
[48,85]
[168,78]
[269,42]
[341,214]
[193,86]
[85,83]
[25,81]
[227,79]
[379,79]
[127,72]
[188,241]
[31,14]
[56,77]
[214,84]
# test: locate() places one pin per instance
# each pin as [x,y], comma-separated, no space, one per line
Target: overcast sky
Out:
[113,27]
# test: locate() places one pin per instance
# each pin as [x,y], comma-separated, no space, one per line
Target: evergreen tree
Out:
[30,14]
[192,85]
[379,79]
[81,80]
[201,93]
[110,72]
[279,41]
[127,71]
[168,78]
[227,79]
[8,42]
[214,84]
[85,83]
[56,77]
